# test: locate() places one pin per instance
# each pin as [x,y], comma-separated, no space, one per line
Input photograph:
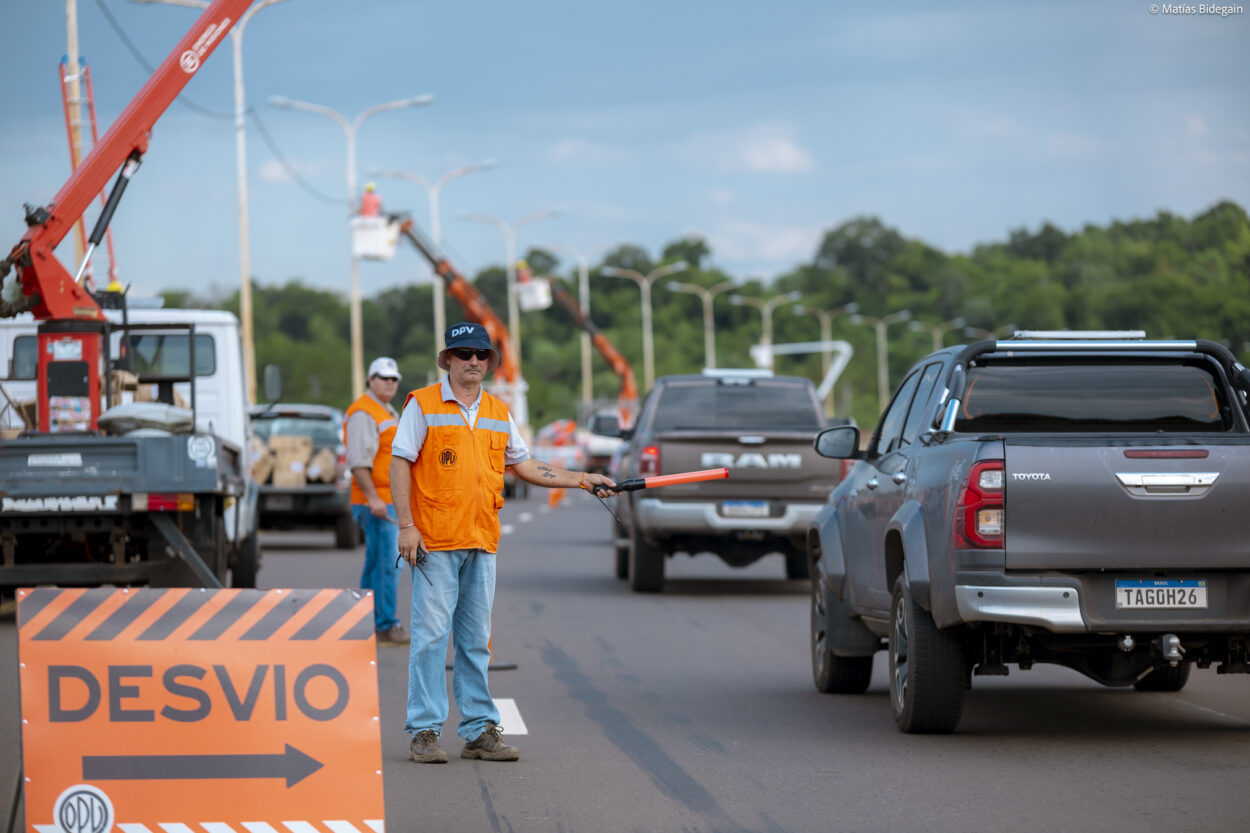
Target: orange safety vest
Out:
[457,480]
[387,425]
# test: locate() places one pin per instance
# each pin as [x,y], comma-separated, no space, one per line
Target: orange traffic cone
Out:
[554,496]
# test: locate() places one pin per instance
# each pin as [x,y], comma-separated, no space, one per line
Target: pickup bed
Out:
[1060,497]
[757,425]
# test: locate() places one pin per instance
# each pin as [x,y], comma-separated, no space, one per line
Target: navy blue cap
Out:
[471,336]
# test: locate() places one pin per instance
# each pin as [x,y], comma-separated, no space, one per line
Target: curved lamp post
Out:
[826,334]
[766,307]
[707,294]
[644,283]
[937,331]
[509,235]
[432,190]
[880,325]
[240,152]
[583,303]
[350,128]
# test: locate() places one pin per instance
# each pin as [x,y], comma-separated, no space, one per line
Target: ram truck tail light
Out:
[981,517]
[342,475]
[649,461]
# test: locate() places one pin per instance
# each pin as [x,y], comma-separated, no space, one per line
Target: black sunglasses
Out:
[387,378]
[464,354]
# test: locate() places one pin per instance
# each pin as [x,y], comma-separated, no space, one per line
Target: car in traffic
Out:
[307,484]
[1074,498]
[758,426]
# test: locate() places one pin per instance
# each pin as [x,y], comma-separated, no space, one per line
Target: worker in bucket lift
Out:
[447,464]
[370,201]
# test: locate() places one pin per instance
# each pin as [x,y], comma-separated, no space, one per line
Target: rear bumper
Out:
[666,517]
[1085,603]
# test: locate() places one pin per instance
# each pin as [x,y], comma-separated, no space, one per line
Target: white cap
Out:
[384,366]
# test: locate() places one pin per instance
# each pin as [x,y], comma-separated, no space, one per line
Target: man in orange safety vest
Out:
[447,464]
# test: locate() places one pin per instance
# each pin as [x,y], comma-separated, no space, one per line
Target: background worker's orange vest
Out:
[387,424]
[457,480]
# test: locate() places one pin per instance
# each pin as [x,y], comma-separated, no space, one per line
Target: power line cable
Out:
[138,56]
[278,155]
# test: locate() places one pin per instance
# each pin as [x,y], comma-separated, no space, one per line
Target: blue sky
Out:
[758,125]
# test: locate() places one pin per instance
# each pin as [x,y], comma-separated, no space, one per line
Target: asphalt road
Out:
[694,711]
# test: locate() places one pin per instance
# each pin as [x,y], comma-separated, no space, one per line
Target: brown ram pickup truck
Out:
[759,426]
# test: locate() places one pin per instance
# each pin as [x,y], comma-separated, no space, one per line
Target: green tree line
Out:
[1170,276]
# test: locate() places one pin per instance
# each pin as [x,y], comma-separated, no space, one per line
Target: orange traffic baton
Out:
[633,484]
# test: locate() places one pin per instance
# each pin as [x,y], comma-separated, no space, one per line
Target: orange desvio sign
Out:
[227,710]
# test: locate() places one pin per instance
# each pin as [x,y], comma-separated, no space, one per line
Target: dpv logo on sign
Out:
[141,707]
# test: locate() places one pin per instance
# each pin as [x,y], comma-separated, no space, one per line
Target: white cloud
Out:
[757,242]
[585,152]
[274,172]
[1196,125]
[767,148]
[721,196]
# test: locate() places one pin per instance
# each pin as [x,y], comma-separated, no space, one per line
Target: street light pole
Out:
[644,283]
[707,294]
[350,129]
[509,235]
[766,307]
[583,303]
[432,191]
[880,325]
[937,331]
[240,152]
[826,334]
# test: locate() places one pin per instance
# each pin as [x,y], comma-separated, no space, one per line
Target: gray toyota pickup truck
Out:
[759,426]
[1065,497]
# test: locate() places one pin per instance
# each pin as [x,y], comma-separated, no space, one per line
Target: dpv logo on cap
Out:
[459,331]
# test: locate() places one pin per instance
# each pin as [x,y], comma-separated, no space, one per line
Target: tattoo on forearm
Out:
[545,471]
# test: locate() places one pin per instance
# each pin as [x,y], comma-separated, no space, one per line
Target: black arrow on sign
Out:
[293,765]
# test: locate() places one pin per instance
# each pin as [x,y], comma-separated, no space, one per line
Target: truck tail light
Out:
[162,502]
[649,461]
[981,517]
[341,474]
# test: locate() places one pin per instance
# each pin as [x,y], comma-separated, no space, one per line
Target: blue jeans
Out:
[461,599]
[380,573]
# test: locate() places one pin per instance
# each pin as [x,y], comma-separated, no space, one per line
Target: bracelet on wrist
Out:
[407,526]
[581,481]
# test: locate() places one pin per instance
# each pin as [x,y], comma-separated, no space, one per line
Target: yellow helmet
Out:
[369,186]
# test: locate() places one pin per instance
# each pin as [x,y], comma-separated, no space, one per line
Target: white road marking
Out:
[505,529]
[510,717]
[525,517]
[1236,721]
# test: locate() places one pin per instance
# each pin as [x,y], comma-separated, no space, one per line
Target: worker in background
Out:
[368,431]
[447,464]
[370,201]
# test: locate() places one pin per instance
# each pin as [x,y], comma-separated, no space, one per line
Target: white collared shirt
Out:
[413,427]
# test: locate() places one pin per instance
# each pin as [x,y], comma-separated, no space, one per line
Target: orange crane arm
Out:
[474,303]
[621,367]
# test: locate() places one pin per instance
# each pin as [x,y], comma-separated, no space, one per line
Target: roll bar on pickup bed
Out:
[1084,341]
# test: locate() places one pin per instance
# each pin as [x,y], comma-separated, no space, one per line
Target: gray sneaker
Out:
[489,746]
[424,748]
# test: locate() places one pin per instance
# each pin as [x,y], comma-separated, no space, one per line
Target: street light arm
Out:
[292,104]
[407,175]
[485,164]
[414,101]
